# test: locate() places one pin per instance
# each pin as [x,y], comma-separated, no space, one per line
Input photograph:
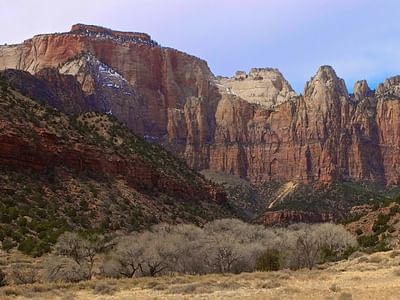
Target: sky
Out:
[359,38]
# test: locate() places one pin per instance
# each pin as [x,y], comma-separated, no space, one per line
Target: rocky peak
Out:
[389,88]
[82,28]
[325,76]
[264,86]
[361,90]
[326,85]
[102,32]
[240,75]
[326,73]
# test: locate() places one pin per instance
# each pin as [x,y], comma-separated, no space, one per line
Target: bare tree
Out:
[190,250]
[125,259]
[310,244]
[92,247]
[308,247]
[159,252]
[64,269]
[24,273]
[73,246]
[225,239]
[221,246]
[82,251]
[334,240]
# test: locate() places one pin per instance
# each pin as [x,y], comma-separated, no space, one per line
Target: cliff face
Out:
[252,125]
[179,102]
[324,135]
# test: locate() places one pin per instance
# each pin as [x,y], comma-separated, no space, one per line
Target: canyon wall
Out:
[252,125]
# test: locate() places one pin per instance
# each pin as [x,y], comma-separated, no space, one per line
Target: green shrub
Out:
[349,251]
[27,245]
[351,219]
[394,210]
[84,205]
[382,246]
[368,240]
[22,221]
[327,254]
[3,281]
[8,244]
[3,86]
[268,261]
[380,224]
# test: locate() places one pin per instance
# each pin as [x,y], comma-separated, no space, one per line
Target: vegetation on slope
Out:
[246,199]
[335,197]
[249,200]
[37,206]
[378,226]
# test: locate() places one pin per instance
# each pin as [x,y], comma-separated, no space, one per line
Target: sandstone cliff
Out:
[252,125]
[266,87]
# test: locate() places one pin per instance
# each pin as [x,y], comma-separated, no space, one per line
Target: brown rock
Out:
[48,153]
[213,123]
[361,90]
[285,217]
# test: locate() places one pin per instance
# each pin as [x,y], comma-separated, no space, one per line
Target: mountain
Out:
[86,172]
[252,125]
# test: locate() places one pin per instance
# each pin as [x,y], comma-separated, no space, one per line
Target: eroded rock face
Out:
[252,125]
[325,135]
[287,217]
[263,86]
[20,154]
[361,90]
[388,127]
[298,140]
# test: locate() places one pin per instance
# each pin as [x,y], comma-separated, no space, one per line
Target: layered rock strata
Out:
[252,125]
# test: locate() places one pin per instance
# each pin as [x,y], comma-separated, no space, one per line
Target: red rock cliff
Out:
[172,98]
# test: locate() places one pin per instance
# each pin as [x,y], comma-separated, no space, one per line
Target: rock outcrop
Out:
[252,125]
[287,217]
[264,86]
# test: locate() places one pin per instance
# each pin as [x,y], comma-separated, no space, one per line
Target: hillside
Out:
[87,172]
[278,203]
[377,226]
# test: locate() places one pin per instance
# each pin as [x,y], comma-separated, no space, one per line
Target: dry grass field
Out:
[375,276]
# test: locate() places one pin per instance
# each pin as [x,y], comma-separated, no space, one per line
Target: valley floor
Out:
[375,276]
